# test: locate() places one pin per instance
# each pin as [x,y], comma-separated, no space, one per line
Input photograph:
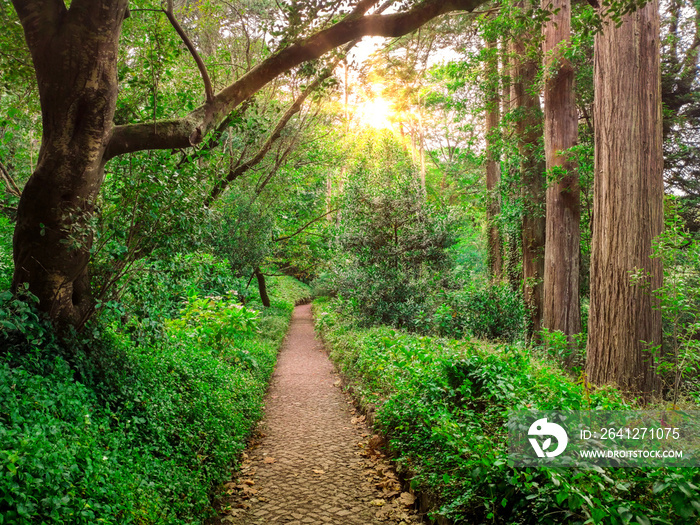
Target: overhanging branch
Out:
[191,129]
[306,225]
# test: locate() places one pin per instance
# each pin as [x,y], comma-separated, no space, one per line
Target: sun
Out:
[376,113]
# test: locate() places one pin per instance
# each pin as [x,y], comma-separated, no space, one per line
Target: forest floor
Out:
[313,461]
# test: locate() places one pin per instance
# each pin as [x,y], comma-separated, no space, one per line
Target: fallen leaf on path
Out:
[319,471]
[407,499]
[248,482]
[269,460]
[378,502]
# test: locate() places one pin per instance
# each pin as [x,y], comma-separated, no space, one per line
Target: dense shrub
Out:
[107,430]
[391,243]
[444,404]
[482,309]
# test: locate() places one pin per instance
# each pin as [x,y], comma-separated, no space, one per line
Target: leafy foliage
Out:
[481,309]
[391,244]
[113,429]
[443,405]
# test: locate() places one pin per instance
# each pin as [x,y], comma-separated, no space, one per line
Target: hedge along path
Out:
[314,461]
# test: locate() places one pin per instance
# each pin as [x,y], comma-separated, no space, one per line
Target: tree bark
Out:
[528,129]
[493,170]
[563,216]
[75,58]
[262,288]
[628,203]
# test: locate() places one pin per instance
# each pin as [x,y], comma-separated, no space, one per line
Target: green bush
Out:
[443,405]
[391,244]
[481,309]
[106,430]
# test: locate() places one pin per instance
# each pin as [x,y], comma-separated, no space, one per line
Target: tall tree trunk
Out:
[513,269]
[628,202]
[75,58]
[493,170]
[528,128]
[563,236]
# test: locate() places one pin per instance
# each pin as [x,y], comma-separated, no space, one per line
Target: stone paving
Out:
[314,461]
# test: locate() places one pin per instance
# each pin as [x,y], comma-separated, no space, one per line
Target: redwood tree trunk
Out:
[528,128]
[75,58]
[628,202]
[563,236]
[493,170]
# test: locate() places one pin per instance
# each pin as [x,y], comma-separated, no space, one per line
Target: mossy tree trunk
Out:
[75,58]
[563,216]
[493,169]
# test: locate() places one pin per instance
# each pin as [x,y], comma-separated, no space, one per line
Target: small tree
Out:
[390,242]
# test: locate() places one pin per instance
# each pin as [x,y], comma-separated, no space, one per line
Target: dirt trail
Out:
[312,463]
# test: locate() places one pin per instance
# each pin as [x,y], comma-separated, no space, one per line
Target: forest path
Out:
[313,462]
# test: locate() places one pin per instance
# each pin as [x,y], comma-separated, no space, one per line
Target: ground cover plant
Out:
[126,429]
[443,404]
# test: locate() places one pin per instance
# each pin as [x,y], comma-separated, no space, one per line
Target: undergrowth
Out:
[135,420]
[444,404]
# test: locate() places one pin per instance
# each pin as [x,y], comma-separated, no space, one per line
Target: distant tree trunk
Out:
[262,288]
[563,236]
[75,58]
[513,256]
[493,170]
[628,203]
[528,128]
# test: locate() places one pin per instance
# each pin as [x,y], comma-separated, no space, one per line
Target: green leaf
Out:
[642,519]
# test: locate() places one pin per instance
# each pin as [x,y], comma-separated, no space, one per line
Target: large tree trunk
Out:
[628,202]
[528,128]
[563,236]
[493,169]
[75,58]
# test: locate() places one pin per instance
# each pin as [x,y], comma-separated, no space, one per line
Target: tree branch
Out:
[306,225]
[208,90]
[12,187]
[241,168]
[294,108]
[183,133]
[214,139]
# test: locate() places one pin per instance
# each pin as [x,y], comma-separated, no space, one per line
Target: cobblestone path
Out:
[314,461]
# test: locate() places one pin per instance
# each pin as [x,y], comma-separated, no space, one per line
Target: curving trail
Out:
[312,463]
